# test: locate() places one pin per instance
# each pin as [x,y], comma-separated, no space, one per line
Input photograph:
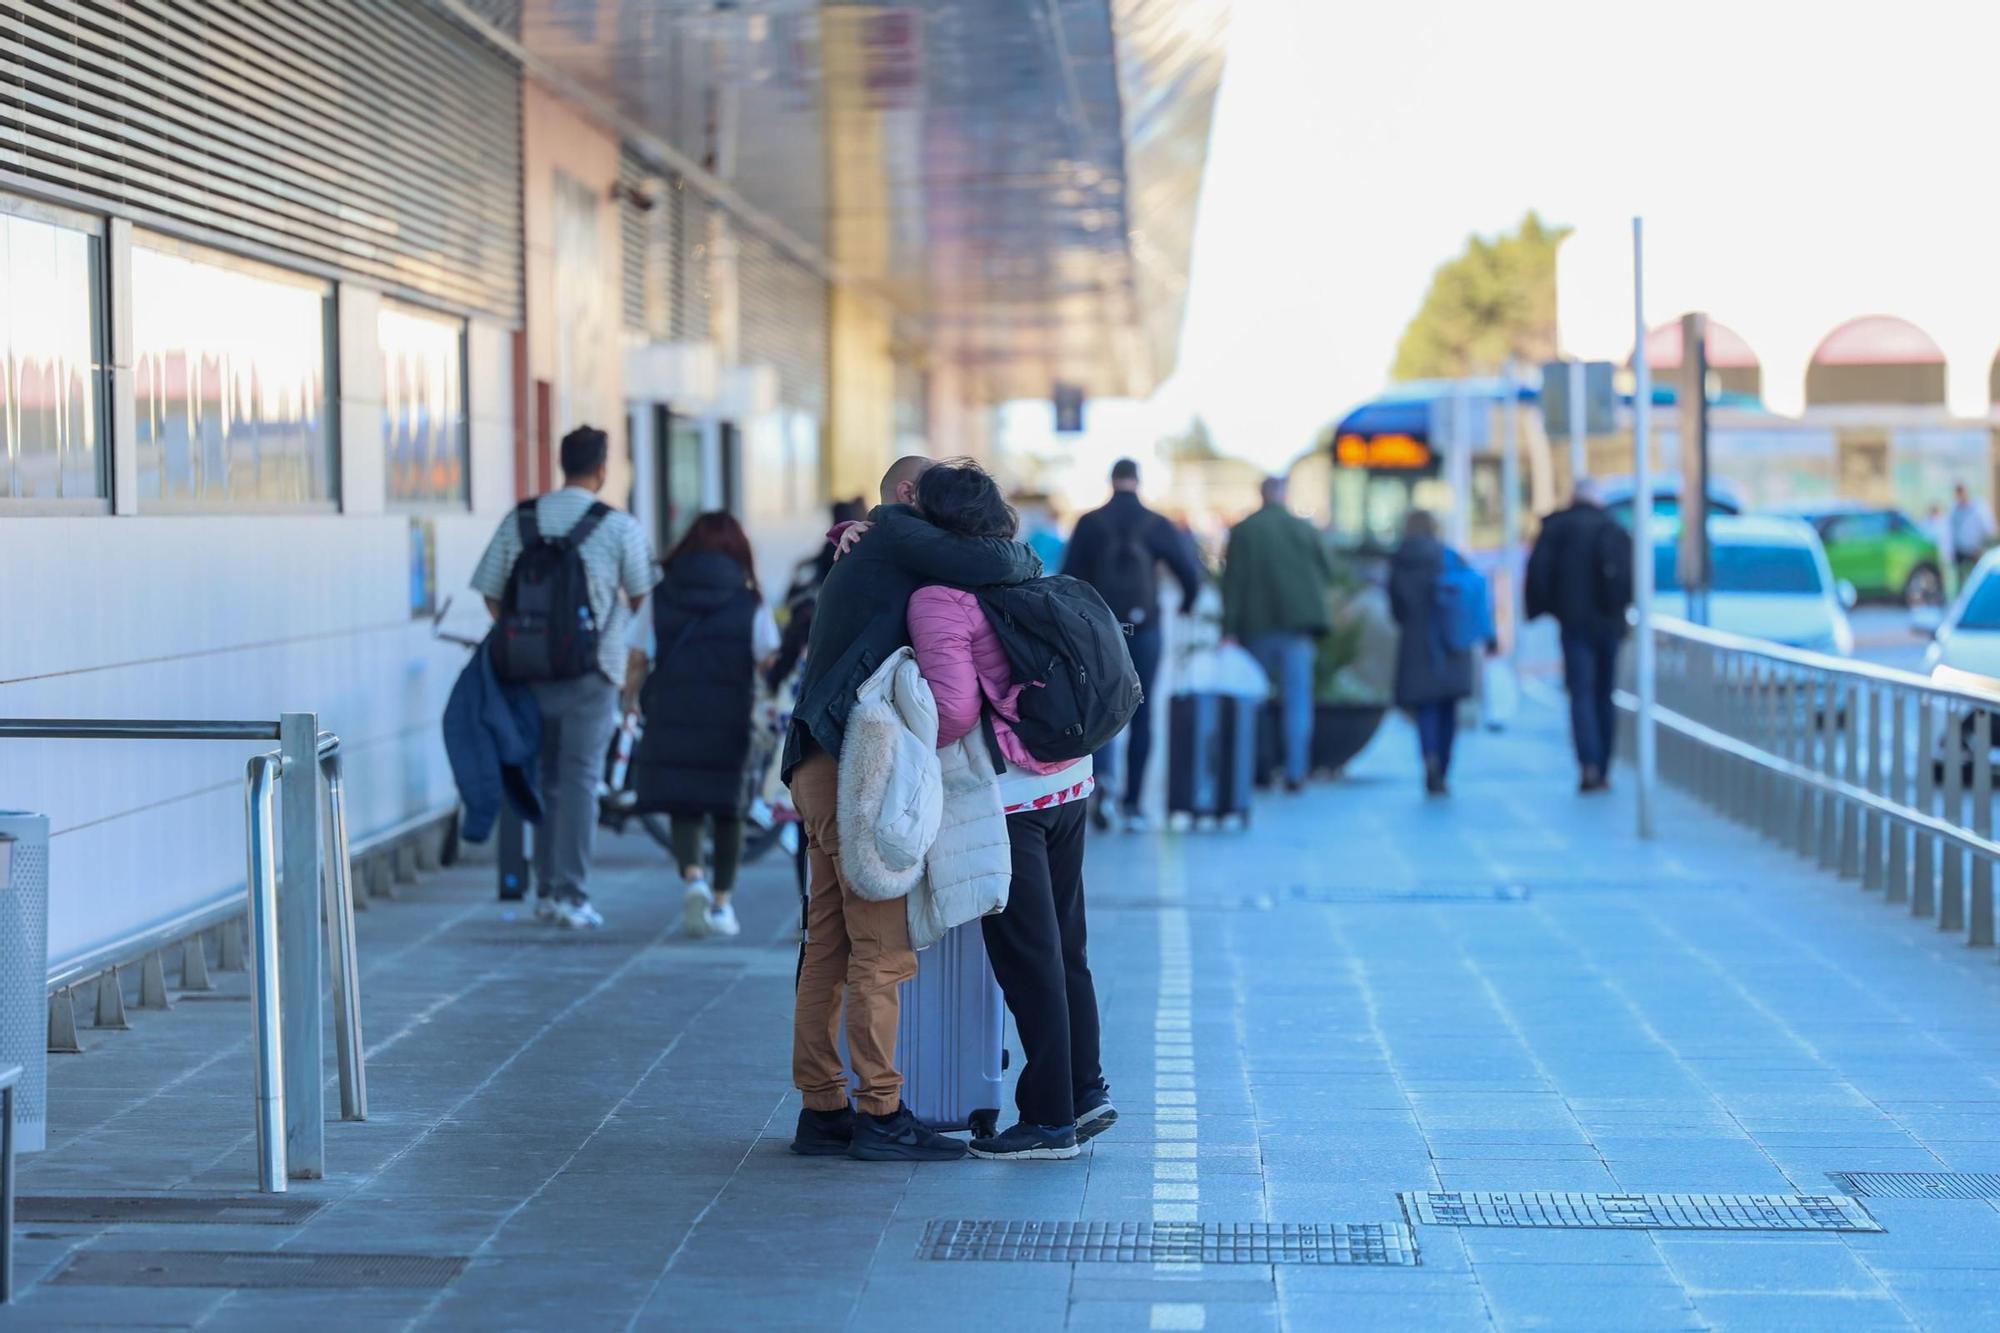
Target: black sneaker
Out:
[1029,1143]
[901,1137]
[824,1133]
[1094,1113]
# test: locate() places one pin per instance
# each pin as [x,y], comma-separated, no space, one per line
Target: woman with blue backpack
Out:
[1441,604]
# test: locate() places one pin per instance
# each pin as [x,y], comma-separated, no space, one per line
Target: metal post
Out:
[1459,460]
[1873,853]
[265,985]
[1645,751]
[339,881]
[1899,792]
[1850,816]
[1826,706]
[1923,873]
[1579,463]
[1979,925]
[1510,508]
[1951,893]
[9,1084]
[299,947]
[1798,706]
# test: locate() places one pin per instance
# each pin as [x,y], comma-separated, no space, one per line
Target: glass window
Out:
[1744,568]
[52,371]
[231,381]
[423,406]
[1982,608]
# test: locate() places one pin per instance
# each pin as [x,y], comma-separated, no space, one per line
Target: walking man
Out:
[1118,549]
[854,946]
[1971,530]
[1274,581]
[578,699]
[1580,572]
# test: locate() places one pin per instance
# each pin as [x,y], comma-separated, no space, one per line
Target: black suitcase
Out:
[1211,754]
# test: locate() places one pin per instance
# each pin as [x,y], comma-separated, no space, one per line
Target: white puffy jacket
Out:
[971,864]
[890,800]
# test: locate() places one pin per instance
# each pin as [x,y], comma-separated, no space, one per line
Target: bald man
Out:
[855,946]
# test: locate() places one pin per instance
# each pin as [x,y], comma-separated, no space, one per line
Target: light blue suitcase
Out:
[951,1044]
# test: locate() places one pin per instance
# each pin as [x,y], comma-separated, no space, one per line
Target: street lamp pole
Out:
[1642,533]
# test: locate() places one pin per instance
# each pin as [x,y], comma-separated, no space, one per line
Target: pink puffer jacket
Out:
[961,657]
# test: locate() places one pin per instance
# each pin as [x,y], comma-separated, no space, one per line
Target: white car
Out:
[1965,646]
[1769,580]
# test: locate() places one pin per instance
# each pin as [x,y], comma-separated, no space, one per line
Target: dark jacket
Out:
[860,618]
[1275,577]
[1102,531]
[1426,672]
[492,733]
[697,700]
[1580,572]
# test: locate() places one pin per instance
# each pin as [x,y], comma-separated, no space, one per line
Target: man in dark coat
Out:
[855,945]
[1580,572]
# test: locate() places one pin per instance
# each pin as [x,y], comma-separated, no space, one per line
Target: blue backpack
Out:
[1462,613]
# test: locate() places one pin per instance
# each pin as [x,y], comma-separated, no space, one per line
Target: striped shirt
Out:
[616,559]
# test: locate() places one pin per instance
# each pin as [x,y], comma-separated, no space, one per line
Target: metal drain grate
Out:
[254,1210]
[1648,1212]
[1389,1243]
[1336,895]
[1918,1184]
[235,1268]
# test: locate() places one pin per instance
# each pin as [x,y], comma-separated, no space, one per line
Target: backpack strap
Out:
[586,525]
[526,523]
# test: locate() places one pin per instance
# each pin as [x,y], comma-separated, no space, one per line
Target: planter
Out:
[1342,731]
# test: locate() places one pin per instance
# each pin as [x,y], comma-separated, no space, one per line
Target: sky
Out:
[1798,162]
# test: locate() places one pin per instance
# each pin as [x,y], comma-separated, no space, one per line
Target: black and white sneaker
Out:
[901,1137]
[1094,1113]
[1029,1143]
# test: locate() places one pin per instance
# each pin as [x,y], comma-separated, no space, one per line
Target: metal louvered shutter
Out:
[637,228]
[688,265]
[365,138]
[784,321]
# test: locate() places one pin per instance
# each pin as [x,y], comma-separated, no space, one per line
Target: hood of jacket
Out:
[702,581]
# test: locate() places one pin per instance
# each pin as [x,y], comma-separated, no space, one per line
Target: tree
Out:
[1494,302]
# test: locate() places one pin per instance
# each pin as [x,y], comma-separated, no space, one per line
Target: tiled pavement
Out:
[1366,993]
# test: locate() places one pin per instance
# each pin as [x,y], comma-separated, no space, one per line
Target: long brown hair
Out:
[718,530]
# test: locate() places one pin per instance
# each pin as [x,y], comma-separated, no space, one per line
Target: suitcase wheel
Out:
[984,1124]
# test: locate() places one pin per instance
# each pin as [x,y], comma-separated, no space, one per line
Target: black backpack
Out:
[1063,642]
[547,629]
[1127,574]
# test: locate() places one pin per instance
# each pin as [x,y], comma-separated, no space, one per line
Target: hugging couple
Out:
[903,578]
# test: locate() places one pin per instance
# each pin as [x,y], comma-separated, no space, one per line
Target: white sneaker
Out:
[587,913]
[575,915]
[722,921]
[695,905]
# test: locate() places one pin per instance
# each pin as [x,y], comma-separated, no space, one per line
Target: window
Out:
[1859,528]
[1744,568]
[232,381]
[423,406]
[1982,608]
[52,372]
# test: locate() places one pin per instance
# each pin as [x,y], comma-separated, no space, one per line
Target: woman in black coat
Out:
[1430,678]
[711,630]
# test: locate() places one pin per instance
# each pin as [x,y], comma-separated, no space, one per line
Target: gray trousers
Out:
[578,717]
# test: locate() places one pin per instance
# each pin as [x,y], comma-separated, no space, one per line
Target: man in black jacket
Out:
[852,944]
[1580,572]
[1118,550]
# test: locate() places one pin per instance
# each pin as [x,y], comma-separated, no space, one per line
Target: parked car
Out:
[1619,495]
[1965,645]
[1769,580]
[1881,551]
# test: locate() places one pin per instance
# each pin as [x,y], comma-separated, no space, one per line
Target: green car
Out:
[1880,551]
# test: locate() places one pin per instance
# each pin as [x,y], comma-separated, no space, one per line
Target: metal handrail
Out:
[1804,658]
[103,729]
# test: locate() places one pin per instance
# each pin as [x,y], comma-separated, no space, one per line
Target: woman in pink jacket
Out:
[1037,945]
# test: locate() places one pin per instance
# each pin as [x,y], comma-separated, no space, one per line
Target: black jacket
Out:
[1426,672]
[860,618]
[1099,533]
[1580,572]
[697,700]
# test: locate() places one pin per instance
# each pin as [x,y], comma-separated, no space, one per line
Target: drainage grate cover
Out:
[235,1268]
[1918,1184]
[1648,1212]
[1167,1242]
[255,1210]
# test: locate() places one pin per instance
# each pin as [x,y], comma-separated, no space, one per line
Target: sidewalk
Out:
[1365,994]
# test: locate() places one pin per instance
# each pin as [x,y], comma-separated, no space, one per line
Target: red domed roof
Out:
[1726,348]
[1878,340]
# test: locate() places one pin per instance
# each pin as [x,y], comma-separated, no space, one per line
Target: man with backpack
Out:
[1274,582]
[1118,550]
[1580,572]
[562,577]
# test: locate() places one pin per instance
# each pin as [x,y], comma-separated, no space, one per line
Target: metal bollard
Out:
[300,952]
[338,883]
[268,1026]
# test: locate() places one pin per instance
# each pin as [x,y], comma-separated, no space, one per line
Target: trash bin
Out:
[24,970]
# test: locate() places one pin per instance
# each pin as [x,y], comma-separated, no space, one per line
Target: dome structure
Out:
[1876,359]
[1734,364]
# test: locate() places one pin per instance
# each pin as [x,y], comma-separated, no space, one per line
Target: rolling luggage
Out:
[950,1045]
[1211,754]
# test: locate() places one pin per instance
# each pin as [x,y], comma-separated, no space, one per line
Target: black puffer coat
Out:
[1426,672]
[697,700]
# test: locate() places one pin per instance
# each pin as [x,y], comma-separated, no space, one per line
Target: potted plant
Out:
[1354,674]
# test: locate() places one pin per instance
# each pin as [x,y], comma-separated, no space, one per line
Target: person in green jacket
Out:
[1274,581]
